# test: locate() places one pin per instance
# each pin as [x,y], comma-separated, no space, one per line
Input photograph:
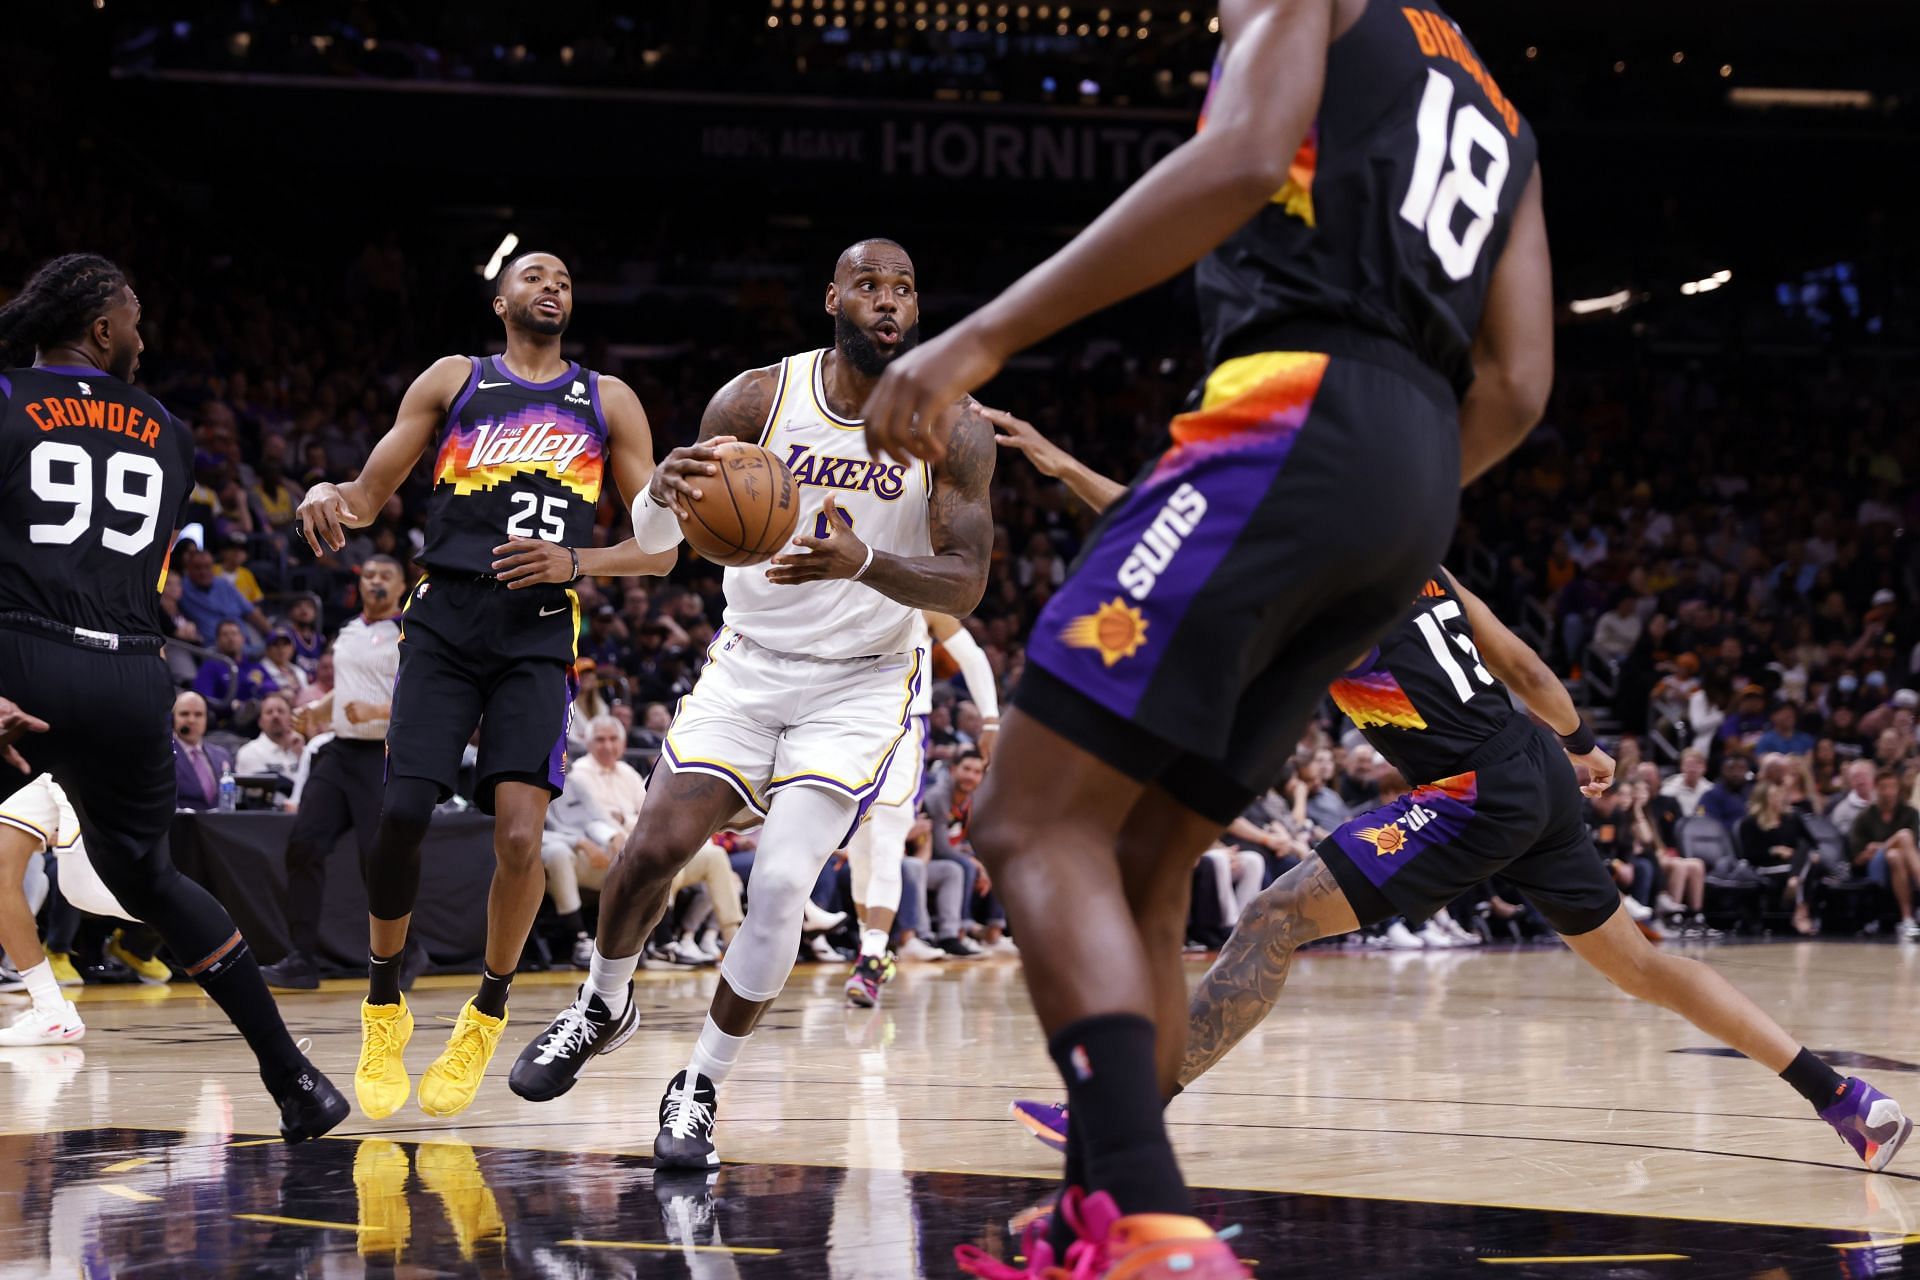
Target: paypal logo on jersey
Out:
[885,480]
[577,394]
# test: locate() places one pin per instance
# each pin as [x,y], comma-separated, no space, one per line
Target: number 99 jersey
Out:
[517,459]
[1395,210]
[94,474]
[1422,696]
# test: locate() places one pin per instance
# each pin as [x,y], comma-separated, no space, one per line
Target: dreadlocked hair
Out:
[57,304]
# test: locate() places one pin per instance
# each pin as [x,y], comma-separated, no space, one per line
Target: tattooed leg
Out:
[1245,981]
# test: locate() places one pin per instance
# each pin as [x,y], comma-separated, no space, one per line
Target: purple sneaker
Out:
[1870,1121]
[1046,1121]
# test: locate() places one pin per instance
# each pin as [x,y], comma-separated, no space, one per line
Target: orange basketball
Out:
[747,512]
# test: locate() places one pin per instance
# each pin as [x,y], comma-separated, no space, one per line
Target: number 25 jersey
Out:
[1395,209]
[94,475]
[517,459]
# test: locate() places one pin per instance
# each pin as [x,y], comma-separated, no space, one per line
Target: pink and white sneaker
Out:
[36,1026]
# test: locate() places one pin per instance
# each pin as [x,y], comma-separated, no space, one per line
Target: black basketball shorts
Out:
[1299,509]
[1520,818]
[475,654]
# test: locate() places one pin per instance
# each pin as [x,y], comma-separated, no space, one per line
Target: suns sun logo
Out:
[1115,630]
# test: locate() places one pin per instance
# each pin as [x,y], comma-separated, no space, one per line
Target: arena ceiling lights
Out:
[1706,284]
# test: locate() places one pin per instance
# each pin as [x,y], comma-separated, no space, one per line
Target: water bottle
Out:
[229,789]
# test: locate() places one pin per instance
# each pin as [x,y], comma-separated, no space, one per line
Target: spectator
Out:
[233,568]
[1856,799]
[275,670]
[1315,801]
[1749,719]
[309,642]
[577,846]
[1882,845]
[197,764]
[220,680]
[1786,737]
[1618,630]
[1774,840]
[1727,799]
[949,803]
[651,730]
[278,748]
[276,496]
[1688,787]
[320,686]
[616,785]
[605,640]
[208,599]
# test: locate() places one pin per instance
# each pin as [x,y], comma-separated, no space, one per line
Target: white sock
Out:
[608,979]
[714,1053]
[873,942]
[45,988]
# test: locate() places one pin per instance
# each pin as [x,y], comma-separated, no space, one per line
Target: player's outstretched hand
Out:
[909,415]
[838,555]
[13,723]
[530,562]
[675,481]
[324,518]
[1019,435]
[1599,767]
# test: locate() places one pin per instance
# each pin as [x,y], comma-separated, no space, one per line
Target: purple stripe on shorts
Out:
[6,388]
[1107,630]
[1382,841]
[557,759]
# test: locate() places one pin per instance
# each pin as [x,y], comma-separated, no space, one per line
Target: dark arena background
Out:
[1706,539]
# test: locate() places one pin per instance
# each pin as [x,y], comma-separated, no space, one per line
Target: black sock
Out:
[234,983]
[492,999]
[570,921]
[1114,1101]
[1059,1233]
[383,978]
[1814,1080]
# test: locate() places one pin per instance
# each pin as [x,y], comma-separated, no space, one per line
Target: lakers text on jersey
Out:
[884,501]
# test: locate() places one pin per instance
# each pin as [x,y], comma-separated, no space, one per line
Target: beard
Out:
[862,352]
[525,317]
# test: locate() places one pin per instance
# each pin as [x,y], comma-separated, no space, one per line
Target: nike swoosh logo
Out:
[485,385]
[548,613]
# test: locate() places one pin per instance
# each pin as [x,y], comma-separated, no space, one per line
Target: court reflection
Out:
[109,1202]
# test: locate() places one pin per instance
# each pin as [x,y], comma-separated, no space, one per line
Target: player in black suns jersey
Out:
[521,444]
[94,474]
[1363,204]
[1491,794]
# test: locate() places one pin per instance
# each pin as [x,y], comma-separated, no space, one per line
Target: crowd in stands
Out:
[1712,548]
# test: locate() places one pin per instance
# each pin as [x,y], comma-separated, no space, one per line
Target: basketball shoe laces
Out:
[685,1113]
[573,1030]
[383,1042]
[463,1053]
[1086,1257]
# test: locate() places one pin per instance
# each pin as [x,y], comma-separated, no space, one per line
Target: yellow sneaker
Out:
[448,1087]
[380,1182]
[380,1082]
[452,1172]
[150,970]
[63,971]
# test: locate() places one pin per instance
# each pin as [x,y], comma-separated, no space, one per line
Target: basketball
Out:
[747,512]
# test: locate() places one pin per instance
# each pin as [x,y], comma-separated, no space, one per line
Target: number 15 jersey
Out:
[94,475]
[517,459]
[1395,210]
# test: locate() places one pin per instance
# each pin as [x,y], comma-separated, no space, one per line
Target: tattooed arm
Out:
[1245,982]
[960,523]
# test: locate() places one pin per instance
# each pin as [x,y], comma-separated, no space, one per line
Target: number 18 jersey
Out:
[94,474]
[1395,209]
[517,459]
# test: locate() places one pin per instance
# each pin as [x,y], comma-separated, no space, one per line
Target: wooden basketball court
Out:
[1403,1114]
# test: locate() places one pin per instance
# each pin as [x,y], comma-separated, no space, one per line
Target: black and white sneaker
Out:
[686,1205]
[549,1066]
[309,1104]
[685,1140]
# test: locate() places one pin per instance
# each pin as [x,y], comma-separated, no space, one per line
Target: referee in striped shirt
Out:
[346,775]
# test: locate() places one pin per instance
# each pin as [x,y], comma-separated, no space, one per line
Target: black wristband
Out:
[1580,741]
[576,566]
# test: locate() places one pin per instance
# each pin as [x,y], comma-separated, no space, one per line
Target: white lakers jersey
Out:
[885,501]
